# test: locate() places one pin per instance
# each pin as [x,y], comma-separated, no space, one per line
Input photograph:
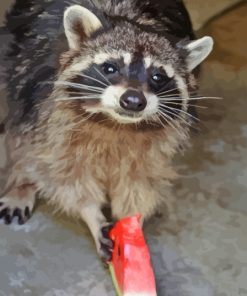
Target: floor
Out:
[206,255]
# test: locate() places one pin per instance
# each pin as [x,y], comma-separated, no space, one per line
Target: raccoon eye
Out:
[109,68]
[159,78]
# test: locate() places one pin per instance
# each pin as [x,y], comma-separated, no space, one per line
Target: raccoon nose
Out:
[133,100]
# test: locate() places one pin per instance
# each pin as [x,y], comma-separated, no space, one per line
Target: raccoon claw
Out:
[105,230]
[106,244]
[8,215]
[19,203]
[22,216]
[4,214]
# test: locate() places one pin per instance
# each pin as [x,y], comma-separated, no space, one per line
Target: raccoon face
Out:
[125,73]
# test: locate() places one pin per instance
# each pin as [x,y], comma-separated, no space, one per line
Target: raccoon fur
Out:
[99,102]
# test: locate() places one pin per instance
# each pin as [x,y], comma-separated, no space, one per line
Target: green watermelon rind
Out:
[114,279]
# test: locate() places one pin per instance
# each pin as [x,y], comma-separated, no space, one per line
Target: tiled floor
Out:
[55,257]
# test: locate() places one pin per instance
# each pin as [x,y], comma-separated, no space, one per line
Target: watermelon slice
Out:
[130,267]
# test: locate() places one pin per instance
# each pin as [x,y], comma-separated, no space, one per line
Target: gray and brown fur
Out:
[82,154]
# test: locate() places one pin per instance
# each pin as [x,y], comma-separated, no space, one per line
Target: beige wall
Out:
[4,4]
[200,10]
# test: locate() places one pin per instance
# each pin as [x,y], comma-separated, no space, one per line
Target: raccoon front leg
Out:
[18,202]
[96,221]
[137,197]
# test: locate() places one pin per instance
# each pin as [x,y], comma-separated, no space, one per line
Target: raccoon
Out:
[99,98]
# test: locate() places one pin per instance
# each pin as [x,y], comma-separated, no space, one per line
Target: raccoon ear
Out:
[79,24]
[197,51]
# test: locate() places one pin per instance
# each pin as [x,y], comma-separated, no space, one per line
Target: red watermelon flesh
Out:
[131,264]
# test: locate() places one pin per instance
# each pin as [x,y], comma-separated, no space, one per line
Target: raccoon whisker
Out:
[86,118]
[76,86]
[118,126]
[177,95]
[106,79]
[169,90]
[76,117]
[182,111]
[78,130]
[94,89]
[92,78]
[80,93]
[183,120]
[191,99]
[166,94]
[157,117]
[96,95]
[168,119]
[153,123]
[79,86]
[82,120]
[152,120]
[84,98]
[205,97]
[148,122]
[192,105]
[104,120]
[177,115]
[70,94]
[70,127]
[171,99]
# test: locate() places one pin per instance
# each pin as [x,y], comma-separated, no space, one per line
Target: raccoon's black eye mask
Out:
[159,81]
[165,84]
[109,68]
[156,78]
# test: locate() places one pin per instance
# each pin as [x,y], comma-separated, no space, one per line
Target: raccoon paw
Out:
[15,205]
[106,244]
